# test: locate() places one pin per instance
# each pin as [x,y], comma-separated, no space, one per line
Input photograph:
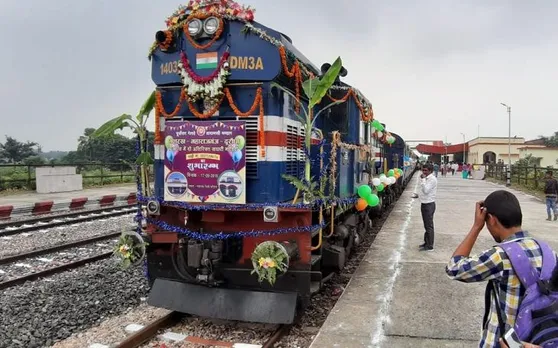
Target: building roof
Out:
[442,150]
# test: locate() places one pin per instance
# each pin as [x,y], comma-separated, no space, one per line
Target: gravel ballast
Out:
[37,314]
[29,241]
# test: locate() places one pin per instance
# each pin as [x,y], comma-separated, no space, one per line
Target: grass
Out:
[14,180]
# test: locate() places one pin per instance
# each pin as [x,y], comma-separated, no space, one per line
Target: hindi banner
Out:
[205,161]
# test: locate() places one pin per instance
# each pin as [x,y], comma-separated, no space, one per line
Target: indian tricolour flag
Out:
[206,60]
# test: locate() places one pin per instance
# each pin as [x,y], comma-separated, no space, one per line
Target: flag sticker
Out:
[206,60]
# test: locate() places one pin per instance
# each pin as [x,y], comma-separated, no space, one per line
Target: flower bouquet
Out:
[130,249]
[269,258]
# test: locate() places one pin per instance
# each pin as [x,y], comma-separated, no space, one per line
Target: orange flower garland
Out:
[258,102]
[216,36]
[161,109]
[158,139]
[208,113]
[293,72]
[366,117]
[168,40]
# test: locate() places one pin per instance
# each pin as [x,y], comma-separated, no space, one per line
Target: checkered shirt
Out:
[495,264]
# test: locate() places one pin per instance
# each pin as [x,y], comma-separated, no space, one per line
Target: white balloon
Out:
[376,182]
[393,180]
[382,176]
[380,134]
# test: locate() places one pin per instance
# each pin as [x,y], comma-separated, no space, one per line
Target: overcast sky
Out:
[432,69]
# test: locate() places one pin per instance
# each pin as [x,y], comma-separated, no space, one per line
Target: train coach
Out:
[235,229]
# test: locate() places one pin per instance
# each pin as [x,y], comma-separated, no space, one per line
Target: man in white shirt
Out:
[427,196]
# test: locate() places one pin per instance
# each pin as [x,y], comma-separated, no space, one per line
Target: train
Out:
[234,228]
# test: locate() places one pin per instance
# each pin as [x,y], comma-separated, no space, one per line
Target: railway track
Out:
[101,253]
[149,331]
[44,222]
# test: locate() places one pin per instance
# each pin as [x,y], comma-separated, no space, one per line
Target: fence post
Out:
[29,177]
[102,175]
[536,177]
[121,172]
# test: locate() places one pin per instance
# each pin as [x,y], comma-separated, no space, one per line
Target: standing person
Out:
[427,196]
[464,171]
[454,168]
[502,215]
[551,193]
[436,169]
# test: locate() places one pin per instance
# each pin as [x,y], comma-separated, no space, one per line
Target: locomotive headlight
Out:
[194,27]
[153,208]
[211,25]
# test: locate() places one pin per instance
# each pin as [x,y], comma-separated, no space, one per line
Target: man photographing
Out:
[501,213]
[427,196]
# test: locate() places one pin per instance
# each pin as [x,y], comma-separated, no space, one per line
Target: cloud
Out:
[431,68]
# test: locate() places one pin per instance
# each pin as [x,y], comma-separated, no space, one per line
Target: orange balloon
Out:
[397,175]
[361,204]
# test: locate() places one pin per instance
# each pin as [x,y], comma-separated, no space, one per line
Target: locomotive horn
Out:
[325,67]
[160,36]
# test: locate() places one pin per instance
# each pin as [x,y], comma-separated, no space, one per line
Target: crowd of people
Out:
[521,272]
[451,168]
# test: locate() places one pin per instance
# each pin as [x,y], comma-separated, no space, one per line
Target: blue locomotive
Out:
[235,230]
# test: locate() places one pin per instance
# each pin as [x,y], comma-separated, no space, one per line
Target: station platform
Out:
[25,202]
[401,297]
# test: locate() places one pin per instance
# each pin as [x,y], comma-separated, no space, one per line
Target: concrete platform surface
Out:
[400,297]
[29,198]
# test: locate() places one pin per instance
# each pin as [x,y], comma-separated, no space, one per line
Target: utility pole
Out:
[463,148]
[508,177]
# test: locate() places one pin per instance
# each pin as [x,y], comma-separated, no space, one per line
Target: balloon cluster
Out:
[379,130]
[236,155]
[172,148]
[367,198]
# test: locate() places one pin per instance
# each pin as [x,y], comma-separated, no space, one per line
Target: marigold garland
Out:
[168,41]
[364,116]
[206,114]
[293,72]
[161,109]
[258,102]
[158,139]
[203,16]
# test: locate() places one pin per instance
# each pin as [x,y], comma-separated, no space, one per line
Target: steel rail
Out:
[51,224]
[53,249]
[48,272]
[149,331]
[47,218]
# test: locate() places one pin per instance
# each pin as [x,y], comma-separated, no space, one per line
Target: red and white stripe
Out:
[282,137]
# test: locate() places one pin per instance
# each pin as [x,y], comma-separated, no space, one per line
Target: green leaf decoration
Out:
[326,81]
[145,159]
[147,107]
[111,126]
[309,86]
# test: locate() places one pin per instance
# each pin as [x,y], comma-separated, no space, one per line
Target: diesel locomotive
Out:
[234,229]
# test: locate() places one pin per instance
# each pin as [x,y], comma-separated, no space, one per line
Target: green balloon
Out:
[380,128]
[380,187]
[391,172]
[168,142]
[364,191]
[400,171]
[376,124]
[373,200]
[240,142]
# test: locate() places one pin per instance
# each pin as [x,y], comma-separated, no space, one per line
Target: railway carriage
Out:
[234,229]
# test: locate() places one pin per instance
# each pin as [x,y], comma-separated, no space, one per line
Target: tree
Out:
[551,141]
[138,125]
[15,151]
